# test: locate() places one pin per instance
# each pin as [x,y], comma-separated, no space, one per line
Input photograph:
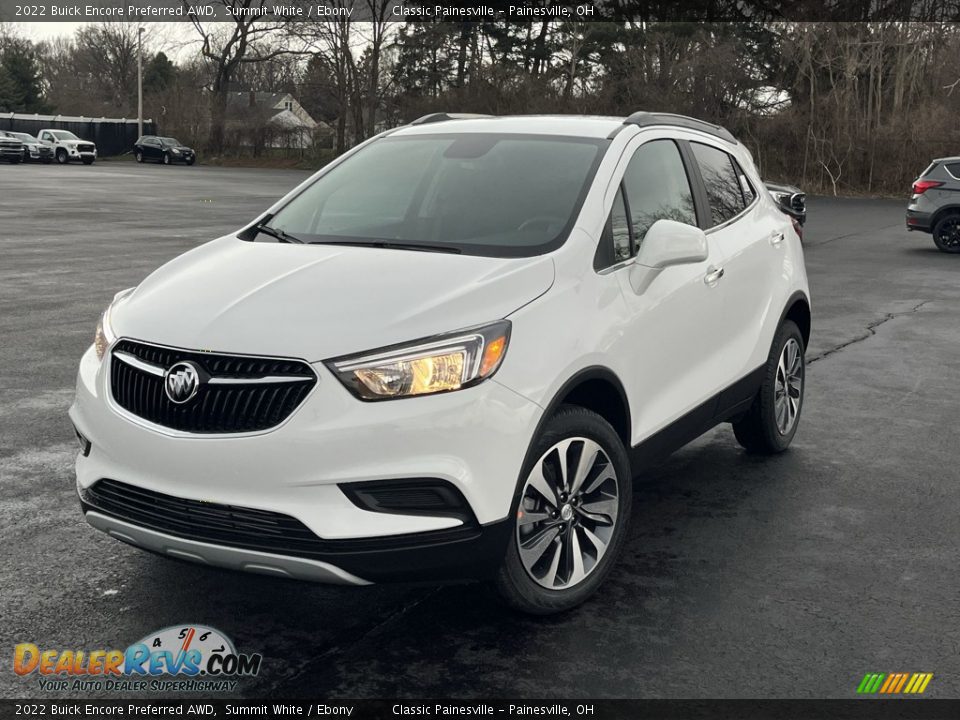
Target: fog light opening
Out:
[83,442]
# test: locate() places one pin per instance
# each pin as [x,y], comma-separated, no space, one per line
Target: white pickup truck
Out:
[66,146]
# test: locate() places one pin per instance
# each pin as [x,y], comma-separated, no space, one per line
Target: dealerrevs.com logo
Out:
[177,658]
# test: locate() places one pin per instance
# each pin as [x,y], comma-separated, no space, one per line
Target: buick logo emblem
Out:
[181,382]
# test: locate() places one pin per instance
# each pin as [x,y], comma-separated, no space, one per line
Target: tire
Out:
[190,162]
[139,156]
[166,159]
[946,233]
[771,422]
[62,156]
[553,580]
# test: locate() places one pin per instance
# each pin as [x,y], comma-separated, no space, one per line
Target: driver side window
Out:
[654,187]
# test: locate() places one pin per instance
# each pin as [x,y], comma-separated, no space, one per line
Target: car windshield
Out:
[22,136]
[169,141]
[64,135]
[484,194]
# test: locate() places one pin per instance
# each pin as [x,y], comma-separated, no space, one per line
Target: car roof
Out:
[955,158]
[588,126]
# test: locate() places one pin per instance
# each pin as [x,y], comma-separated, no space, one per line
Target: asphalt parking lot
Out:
[743,577]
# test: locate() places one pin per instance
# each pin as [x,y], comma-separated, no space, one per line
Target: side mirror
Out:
[666,243]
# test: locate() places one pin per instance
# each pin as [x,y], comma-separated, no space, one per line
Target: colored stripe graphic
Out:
[894,683]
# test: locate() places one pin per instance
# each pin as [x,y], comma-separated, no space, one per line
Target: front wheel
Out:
[572,517]
[946,233]
[166,159]
[139,156]
[62,156]
[771,422]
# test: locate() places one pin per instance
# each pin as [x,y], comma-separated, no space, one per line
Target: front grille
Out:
[86,148]
[240,394]
[210,522]
[234,526]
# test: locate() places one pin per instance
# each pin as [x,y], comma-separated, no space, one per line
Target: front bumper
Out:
[82,154]
[11,154]
[474,439]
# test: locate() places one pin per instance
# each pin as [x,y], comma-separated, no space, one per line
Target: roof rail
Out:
[443,116]
[646,119]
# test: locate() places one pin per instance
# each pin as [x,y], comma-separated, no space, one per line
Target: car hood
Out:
[321,301]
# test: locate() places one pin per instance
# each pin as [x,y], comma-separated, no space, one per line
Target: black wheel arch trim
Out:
[798,296]
[592,372]
[941,212]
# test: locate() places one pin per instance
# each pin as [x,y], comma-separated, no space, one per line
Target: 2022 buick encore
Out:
[446,354]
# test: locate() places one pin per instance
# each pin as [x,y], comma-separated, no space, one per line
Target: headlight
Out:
[441,364]
[104,336]
[175,151]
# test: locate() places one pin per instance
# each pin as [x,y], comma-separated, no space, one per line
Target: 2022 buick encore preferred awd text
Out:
[445,355]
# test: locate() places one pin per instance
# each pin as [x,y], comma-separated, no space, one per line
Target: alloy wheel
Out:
[949,233]
[567,514]
[788,389]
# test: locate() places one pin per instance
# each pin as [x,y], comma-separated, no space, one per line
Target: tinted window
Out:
[657,187]
[65,135]
[721,181]
[496,194]
[954,169]
[615,243]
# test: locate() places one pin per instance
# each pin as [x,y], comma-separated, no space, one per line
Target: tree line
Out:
[832,107]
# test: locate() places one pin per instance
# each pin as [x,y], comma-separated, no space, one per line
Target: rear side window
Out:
[657,188]
[953,169]
[722,181]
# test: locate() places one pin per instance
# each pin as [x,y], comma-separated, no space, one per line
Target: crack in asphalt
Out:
[871,331]
[338,647]
[850,234]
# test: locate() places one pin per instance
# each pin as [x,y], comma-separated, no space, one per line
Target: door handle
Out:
[776,239]
[713,275]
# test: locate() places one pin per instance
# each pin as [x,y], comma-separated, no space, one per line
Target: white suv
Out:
[446,355]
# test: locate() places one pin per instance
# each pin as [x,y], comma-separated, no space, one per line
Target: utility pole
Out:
[139,81]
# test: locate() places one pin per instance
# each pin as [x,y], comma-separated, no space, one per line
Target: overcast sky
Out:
[173,38]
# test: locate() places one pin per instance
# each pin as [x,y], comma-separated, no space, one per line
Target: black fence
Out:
[112,136]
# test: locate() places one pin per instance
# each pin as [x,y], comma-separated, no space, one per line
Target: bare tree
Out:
[227,46]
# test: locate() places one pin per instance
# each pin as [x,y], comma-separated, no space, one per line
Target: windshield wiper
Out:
[279,234]
[392,245]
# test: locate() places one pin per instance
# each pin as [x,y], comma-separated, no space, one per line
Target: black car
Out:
[11,149]
[166,150]
[33,149]
[935,204]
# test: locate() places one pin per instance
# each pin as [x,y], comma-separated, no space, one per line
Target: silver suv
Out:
[935,204]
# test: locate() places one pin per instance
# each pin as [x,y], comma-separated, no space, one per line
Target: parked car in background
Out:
[33,149]
[165,150]
[11,149]
[66,146]
[792,200]
[935,204]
